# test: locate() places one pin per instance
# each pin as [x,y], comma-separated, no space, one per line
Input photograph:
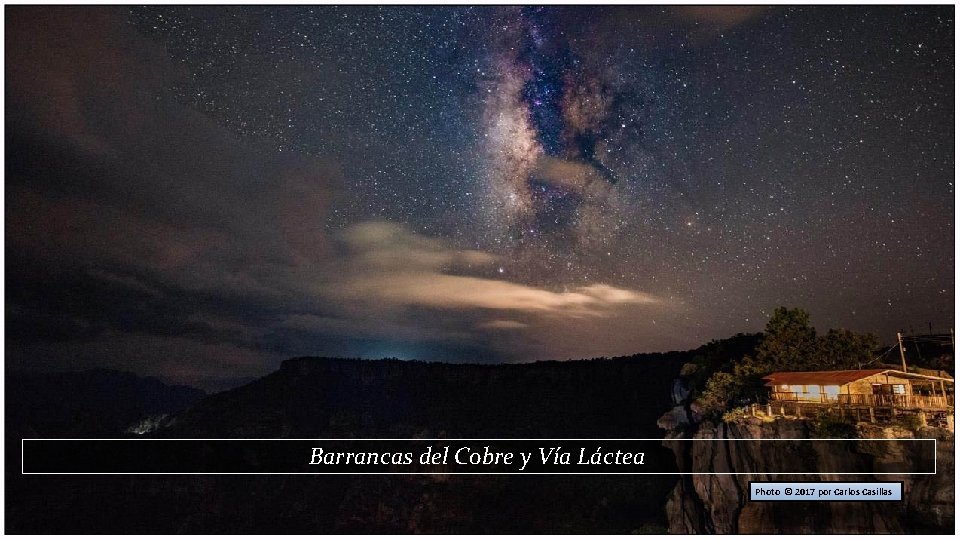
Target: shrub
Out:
[734,415]
[689,369]
[830,425]
[909,421]
[717,394]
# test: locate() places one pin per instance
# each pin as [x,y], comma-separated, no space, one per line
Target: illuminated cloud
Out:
[722,16]
[370,328]
[500,324]
[392,267]
[572,176]
[380,244]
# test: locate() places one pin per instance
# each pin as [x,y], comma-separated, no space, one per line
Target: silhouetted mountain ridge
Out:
[339,398]
[92,403]
[352,398]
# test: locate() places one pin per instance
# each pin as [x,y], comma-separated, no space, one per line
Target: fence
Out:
[901,401]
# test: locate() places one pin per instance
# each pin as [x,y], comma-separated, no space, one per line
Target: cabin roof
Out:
[840,377]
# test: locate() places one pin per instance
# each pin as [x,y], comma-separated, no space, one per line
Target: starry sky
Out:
[198,193]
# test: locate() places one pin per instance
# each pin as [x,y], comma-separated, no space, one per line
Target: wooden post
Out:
[903,357]
[769,410]
[873,419]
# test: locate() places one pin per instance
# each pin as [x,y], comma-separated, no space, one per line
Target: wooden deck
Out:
[898,401]
[941,417]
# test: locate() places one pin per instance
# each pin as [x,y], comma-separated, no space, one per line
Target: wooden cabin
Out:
[864,387]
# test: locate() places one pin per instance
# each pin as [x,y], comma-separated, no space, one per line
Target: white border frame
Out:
[518,473]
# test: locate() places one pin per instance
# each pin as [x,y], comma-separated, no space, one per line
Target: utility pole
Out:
[903,357]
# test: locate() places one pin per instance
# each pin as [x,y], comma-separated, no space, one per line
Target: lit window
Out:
[899,389]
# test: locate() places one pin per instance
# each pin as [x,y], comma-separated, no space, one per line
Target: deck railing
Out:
[875,400]
[932,402]
[901,401]
[803,398]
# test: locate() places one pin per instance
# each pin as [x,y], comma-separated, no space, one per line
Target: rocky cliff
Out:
[720,503]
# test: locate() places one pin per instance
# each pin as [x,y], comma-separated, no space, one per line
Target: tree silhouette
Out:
[789,343]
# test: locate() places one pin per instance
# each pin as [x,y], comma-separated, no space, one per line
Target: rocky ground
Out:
[720,503]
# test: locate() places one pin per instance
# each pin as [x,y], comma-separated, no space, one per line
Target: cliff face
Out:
[720,503]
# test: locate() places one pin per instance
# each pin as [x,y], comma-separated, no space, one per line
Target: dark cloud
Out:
[143,215]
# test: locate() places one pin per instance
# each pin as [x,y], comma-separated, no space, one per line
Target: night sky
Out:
[198,193]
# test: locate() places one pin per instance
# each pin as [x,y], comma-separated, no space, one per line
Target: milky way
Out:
[553,127]
[200,192]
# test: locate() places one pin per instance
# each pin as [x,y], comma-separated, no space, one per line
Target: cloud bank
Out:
[395,268]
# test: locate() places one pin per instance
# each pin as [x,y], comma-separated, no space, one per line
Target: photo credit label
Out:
[826,491]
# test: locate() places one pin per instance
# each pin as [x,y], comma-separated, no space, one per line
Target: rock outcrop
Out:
[719,503]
